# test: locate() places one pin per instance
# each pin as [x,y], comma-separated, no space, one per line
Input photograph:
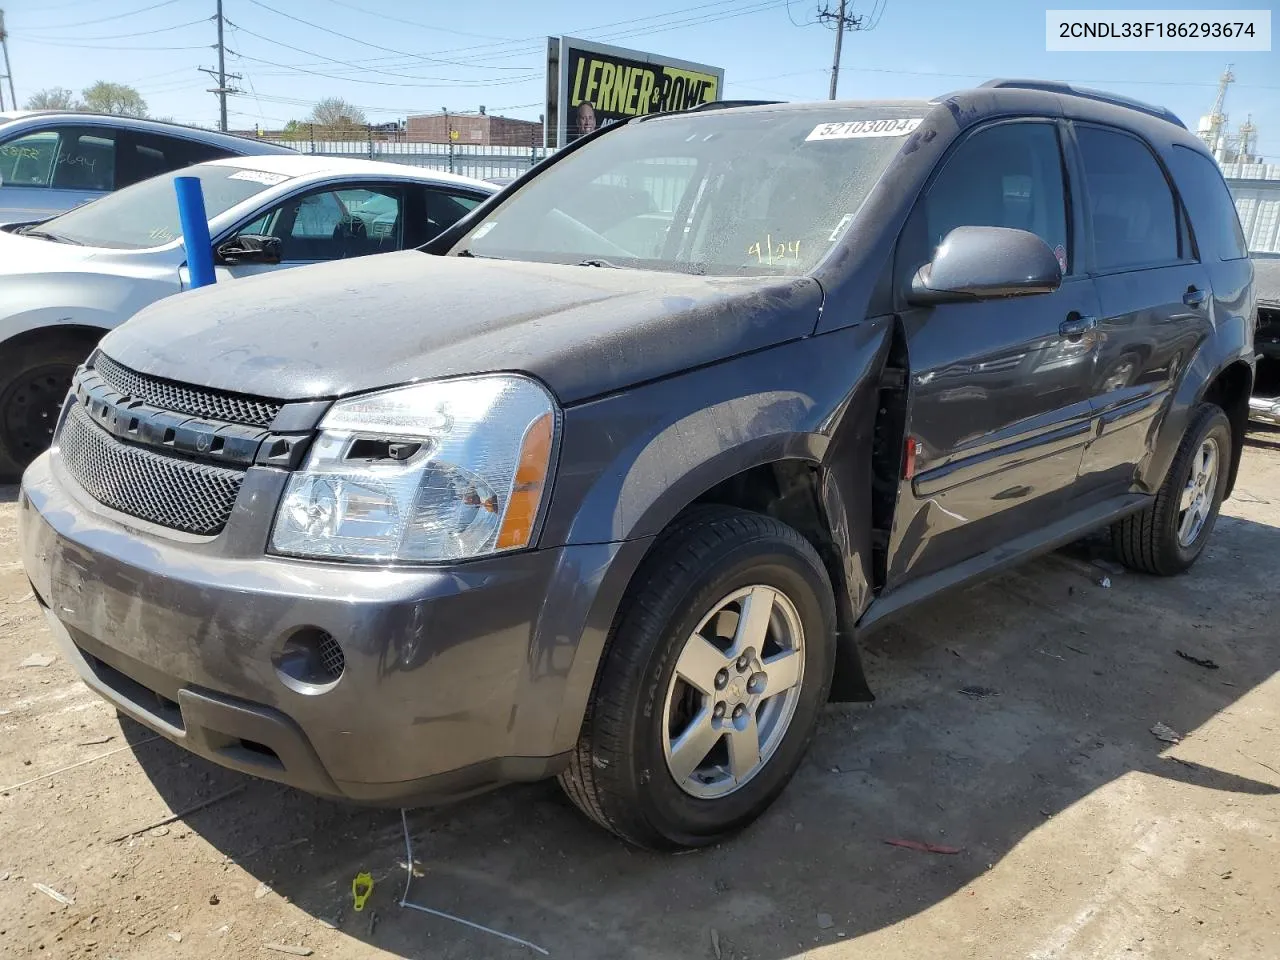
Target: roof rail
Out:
[726,104]
[1070,89]
[711,105]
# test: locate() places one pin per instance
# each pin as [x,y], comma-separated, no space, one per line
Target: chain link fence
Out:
[483,162]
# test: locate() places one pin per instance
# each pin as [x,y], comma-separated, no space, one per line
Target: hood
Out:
[334,329]
[1266,281]
[23,255]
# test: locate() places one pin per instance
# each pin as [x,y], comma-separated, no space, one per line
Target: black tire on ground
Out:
[1148,541]
[619,775]
[34,378]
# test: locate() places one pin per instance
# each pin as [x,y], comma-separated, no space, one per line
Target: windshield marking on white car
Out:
[260,176]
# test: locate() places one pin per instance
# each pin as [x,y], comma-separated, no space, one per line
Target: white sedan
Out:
[65,282]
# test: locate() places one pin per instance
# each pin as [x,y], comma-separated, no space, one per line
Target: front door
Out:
[335,222]
[999,403]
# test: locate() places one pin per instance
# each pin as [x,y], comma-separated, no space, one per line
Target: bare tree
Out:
[54,98]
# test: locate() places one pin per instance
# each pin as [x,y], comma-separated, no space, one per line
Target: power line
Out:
[706,12]
[346,63]
[417,23]
[365,43]
[132,33]
[96,46]
[384,83]
[117,16]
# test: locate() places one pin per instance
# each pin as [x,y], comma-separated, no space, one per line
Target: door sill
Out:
[889,605]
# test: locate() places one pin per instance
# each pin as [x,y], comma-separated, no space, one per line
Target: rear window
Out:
[1213,212]
[146,214]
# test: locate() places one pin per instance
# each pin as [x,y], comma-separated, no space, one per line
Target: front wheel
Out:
[34,379]
[711,684]
[1168,535]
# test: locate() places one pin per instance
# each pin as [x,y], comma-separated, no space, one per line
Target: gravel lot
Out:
[1013,725]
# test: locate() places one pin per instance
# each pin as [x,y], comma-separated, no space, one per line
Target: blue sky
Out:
[420,56]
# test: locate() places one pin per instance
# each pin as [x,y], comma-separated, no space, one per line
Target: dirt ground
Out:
[1014,723]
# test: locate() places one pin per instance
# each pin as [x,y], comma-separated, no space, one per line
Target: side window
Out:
[1209,202]
[145,155]
[66,158]
[86,159]
[1134,213]
[335,224]
[1009,175]
[444,209]
[27,161]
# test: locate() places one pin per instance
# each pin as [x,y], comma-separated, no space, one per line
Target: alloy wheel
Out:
[733,692]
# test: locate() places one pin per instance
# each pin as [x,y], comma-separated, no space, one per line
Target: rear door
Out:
[48,171]
[444,206]
[1154,296]
[999,403]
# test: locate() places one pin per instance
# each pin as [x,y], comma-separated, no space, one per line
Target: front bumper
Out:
[455,679]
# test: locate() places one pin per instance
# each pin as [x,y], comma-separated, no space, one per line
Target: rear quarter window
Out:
[1213,212]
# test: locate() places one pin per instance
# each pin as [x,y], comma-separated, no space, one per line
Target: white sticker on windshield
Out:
[855,129]
[844,222]
[483,229]
[259,176]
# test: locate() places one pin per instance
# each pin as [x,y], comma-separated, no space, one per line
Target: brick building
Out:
[476,129]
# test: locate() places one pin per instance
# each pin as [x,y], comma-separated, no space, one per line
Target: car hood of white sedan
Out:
[32,255]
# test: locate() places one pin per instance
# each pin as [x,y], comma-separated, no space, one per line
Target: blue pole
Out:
[195,230]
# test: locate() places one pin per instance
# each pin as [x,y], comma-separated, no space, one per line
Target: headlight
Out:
[435,471]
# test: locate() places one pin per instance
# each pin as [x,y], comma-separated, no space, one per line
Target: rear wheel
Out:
[711,685]
[34,379]
[1168,536]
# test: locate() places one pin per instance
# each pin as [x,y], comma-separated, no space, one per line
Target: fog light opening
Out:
[310,661]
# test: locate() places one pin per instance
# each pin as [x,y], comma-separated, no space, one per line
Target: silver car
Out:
[51,161]
[66,281]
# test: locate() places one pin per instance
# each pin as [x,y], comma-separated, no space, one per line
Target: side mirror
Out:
[248,248]
[979,263]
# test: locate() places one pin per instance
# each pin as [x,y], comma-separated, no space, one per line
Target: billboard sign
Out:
[591,84]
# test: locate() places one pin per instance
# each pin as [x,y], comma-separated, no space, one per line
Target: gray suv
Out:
[609,481]
[52,160]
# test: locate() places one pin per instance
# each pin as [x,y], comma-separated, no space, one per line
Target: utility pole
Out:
[8,70]
[221,74]
[844,22]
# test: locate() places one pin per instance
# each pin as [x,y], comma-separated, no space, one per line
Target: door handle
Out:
[1194,297]
[1076,326]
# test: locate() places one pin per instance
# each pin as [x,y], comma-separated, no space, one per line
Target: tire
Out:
[620,773]
[1155,540]
[34,379]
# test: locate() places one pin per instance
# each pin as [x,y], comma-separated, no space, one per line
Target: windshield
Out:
[717,193]
[146,214]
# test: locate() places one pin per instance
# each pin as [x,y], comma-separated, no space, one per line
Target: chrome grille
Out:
[182,398]
[192,497]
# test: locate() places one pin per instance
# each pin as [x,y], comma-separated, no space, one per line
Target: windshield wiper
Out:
[600,262]
[46,235]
